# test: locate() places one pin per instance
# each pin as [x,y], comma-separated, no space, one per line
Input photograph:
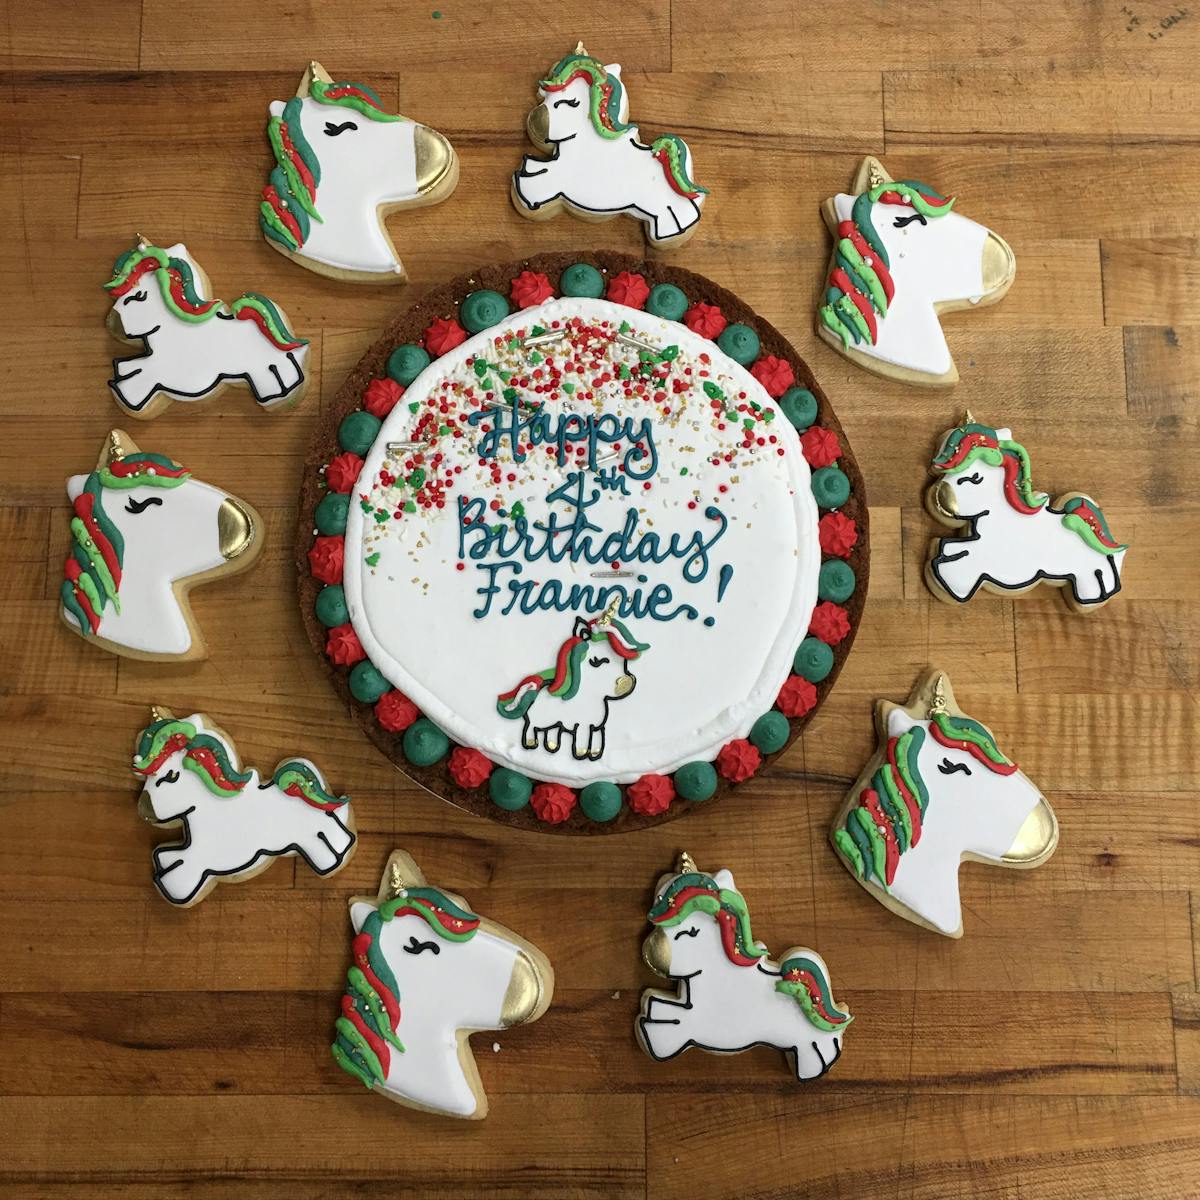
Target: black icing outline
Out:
[224,377]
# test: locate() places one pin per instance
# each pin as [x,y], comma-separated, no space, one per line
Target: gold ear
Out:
[314,70]
[117,445]
[870,174]
[579,49]
[400,874]
[968,417]
[686,864]
[159,714]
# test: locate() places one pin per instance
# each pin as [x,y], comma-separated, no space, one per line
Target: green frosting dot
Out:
[358,431]
[666,301]
[367,683]
[830,487]
[509,789]
[406,362]
[601,801]
[770,732]
[581,280]
[330,517]
[696,781]
[331,607]
[814,659]
[740,342]
[483,309]
[424,743]
[799,406]
[835,581]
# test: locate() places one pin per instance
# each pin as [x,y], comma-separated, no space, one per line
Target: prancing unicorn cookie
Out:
[938,790]
[233,824]
[342,163]
[597,167]
[1013,537]
[901,257]
[144,532]
[731,995]
[194,346]
[426,973]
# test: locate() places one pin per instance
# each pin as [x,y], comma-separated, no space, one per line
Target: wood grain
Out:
[1053,1052]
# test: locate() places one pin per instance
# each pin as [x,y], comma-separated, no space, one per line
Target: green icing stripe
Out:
[270,314]
[379,1018]
[346,1028]
[67,592]
[967,730]
[1078,525]
[862,843]
[852,262]
[295,185]
[877,844]
[847,310]
[346,1058]
[894,806]
[155,737]
[274,228]
[825,312]
[95,563]
[907,748]
[320,92]
[88,587]
[373,926]
[845,843]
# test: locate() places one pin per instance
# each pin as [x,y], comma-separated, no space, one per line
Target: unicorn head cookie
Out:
[342,163]
[731,995]
[426,973]
[903,255]
[938,790]
[598,167]
[144,531]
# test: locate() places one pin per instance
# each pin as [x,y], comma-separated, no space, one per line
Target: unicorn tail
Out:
[300,779]
[673,155]
[514,704]
[264,314]
[805,978]
[1083,517]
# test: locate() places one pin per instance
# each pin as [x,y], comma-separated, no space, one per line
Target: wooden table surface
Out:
[1054,1051]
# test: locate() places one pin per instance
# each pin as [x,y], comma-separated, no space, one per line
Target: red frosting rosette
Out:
[738,760]
[468,768]
[395,712]
[628,288]
[796,697]
[444,333]
[326,558]
[705,319]
[775,374]
[381,396]
[343,647]
[821,446]
[829,623]
[552,802]
[838,534]
[530,288]
[650,795]
[342,472]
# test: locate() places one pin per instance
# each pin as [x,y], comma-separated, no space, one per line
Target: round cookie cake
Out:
[582,543]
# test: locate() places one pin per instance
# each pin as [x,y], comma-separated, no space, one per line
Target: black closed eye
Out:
[332,130]
[973,478]
[134,296]
[900,222]
[568,103]
[169,777]
[687,933]
[598,660]
[140,506]
[949,768]
[416,947]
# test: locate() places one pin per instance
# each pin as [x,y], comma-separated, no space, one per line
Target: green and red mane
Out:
[298,779]
[860,287]
[204,755]
[563,679]
[696,892]
[974,442]
[92,572]
[802,978]
[177,282]
[366,1031]
[289,199]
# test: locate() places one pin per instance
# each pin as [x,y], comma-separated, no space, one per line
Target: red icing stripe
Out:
[146,264]
[175,742]
[840,279]
[729,932]
[870,801]
[373,1040]
[84,505]
[910,801]
[563,663]
[305,174]
[680,898]
[271,196]
[361,945]
[88,611]
[976,752]
[847,229]
[1012,472]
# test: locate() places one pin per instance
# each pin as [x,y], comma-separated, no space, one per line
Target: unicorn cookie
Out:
[731,995]
[193,346]
[597,166]
[901,257]
[343,162]
[143,532]
[426,973]
[234,825]
[937,791]
[1011,537]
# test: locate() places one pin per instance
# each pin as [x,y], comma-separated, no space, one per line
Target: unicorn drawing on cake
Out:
[143,531]
[233,824]
[194,346]
[427,972]
[342,163]
[939,790]
[598,167]
[1015,538]
[731,995]
[572,697]
[902,255]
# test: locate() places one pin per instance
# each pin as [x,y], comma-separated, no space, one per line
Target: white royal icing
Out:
[189,360]
[725,1007]
[235,835]
[697,686]
[594,174]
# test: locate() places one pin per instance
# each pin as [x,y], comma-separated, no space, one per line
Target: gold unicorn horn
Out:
[968,417]
[687,865]
[397,884]
[875,174]
[141,241]
[579,49]
[159,714]
[937,705]
[606,617]
[116,451]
